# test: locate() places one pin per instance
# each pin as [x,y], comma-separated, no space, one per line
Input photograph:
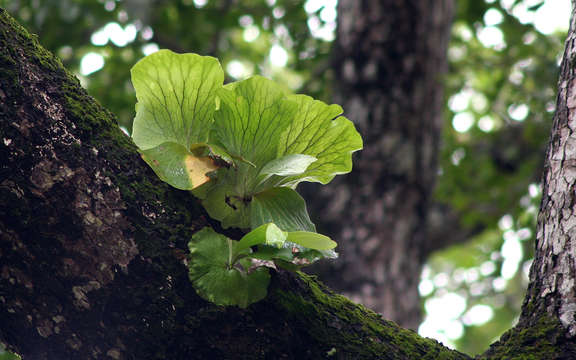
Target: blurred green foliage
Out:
[499,94]
[5,355]
[73,28]
[500,103]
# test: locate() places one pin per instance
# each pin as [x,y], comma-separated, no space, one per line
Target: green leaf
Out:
[293,164]
[177,166]
[176,98]
[268,234]
[232,287]
[216,279]
[266,252]
[282,206]
[252,116]
[318,130]
[313,255]
[225,204]
[218,152]
[249,142]
[311,240]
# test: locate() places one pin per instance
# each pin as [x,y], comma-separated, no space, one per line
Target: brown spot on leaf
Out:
[198,167]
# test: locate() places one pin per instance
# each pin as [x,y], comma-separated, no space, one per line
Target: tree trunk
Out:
[547,325]
[389,61]
[93,246]
[553,273]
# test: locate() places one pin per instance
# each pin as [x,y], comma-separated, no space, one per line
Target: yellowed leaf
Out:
[197,168]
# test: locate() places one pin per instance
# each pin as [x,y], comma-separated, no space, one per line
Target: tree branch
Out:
[93,246]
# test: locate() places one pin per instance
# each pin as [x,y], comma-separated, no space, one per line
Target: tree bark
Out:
[93,247]
[547,325]
[553,273]
[389,61]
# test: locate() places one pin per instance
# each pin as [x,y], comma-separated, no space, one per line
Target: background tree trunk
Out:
[93,246]
[389,60]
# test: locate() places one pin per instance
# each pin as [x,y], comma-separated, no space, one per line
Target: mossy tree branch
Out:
[93,246]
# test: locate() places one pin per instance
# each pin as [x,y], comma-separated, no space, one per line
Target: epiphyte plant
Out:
[241,148]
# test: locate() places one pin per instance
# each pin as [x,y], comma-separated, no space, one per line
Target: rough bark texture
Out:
[547,325]
[389,60]
[92,247]
[553,274]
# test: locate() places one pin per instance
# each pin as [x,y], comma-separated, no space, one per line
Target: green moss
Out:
[85,111]
[352,330]
[544,339]
[96,128]
[9,73]
[41,56]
